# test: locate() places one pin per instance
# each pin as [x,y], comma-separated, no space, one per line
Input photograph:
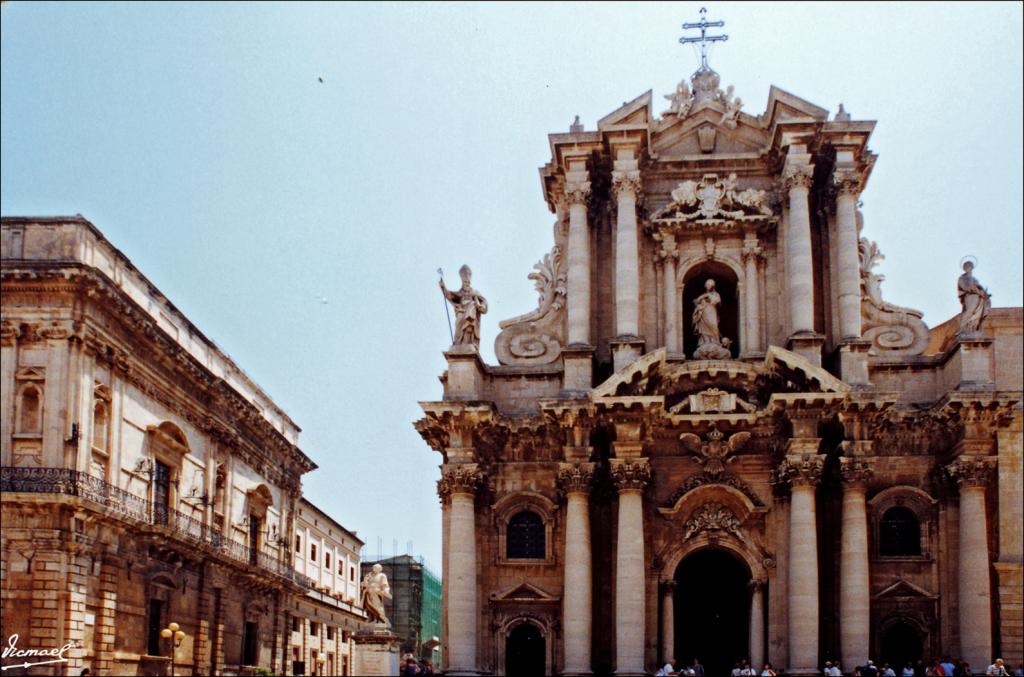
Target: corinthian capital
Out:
[797,176]
[463,478]
[846,182]
[801,470]
[855,472]
[631,474]
[972,471]
[575,478]
[626,181]
[752,249]
[577,192]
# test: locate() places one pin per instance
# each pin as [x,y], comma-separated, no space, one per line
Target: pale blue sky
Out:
[197,138]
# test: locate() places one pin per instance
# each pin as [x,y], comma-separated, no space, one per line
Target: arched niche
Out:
[727,283]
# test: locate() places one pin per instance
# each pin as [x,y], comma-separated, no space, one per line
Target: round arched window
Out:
[525,537]
[899,533]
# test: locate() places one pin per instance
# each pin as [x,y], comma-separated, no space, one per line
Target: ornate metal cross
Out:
[704,38]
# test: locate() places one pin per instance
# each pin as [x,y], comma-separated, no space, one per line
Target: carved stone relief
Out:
[537,336]
[892,330]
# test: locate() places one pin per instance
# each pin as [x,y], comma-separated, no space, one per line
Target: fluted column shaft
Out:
[630,620]
[975,603]
[757,625]
[578,261]
[459,485]
[854,576]
[627,255]
[752,293]
[803,473]
[668,621]
[577,614]
[848,254]
[800,271]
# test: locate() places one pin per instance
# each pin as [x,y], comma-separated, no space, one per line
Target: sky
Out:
[299,224]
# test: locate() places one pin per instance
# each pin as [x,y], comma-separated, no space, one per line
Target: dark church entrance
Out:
[524,651]
[712,609]
[901,644]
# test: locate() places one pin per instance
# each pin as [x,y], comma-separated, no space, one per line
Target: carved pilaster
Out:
[752,249]
[971,471]
[855,472]
[575,478]
[757,584]
[631,475]
[668,588]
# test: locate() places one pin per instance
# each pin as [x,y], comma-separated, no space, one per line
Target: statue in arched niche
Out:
[711,345]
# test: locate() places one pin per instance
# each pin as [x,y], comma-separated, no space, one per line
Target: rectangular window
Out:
[255,523]
[250,643]
[298,543]
[295,623]
[314,629]
[161,492]
[330,633]
[327,560]
[352,574]
[312,551]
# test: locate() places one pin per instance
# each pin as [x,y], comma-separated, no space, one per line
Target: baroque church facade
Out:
[714,438]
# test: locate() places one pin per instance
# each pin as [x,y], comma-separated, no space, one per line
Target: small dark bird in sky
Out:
[320,79]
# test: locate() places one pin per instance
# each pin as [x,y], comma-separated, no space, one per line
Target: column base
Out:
[578,369]
[574,673]
[852,355]
[807,345]
[626,350]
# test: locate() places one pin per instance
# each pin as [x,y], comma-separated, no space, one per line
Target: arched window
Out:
[525,536]
[899,533]
[30,419]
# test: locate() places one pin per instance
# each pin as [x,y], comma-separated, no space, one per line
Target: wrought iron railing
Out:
[81,484]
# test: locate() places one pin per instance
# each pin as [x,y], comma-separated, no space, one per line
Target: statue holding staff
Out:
[469,305]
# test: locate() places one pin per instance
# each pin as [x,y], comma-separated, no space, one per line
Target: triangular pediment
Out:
[785,106]
[632,114]
[524,592]
[676,137]
[903,589]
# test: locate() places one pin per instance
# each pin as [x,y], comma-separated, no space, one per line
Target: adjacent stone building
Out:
[714,438]
[146,480]
[325,618]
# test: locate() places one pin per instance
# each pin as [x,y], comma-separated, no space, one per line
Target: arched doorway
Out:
[901,643]
[728,311]
[712,610]
[524,651]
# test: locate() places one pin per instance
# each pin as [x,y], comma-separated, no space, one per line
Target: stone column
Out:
[847,184]
[799,269]
[577,617]
[975,603]
[757,624]
[626,186]
[803,471]
[668,255]
[631,476]
[578,260]
[854,580]
[459,482]
[751,252]
[668,621]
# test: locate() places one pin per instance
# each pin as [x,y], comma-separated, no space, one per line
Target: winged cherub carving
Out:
[715,453]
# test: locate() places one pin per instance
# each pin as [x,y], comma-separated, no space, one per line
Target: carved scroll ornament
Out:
[536,337]
[712,198]
[712,517]
[893,330]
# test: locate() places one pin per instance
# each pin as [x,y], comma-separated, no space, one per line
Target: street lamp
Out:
[320,660]
[173,632]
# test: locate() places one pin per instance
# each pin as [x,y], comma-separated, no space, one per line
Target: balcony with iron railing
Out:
[146,513]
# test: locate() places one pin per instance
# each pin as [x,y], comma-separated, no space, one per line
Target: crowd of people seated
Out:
[946,667]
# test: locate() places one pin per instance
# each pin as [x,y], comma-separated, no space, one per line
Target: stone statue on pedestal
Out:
[974,299]
[469,305]
[711,345]
[376,589]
